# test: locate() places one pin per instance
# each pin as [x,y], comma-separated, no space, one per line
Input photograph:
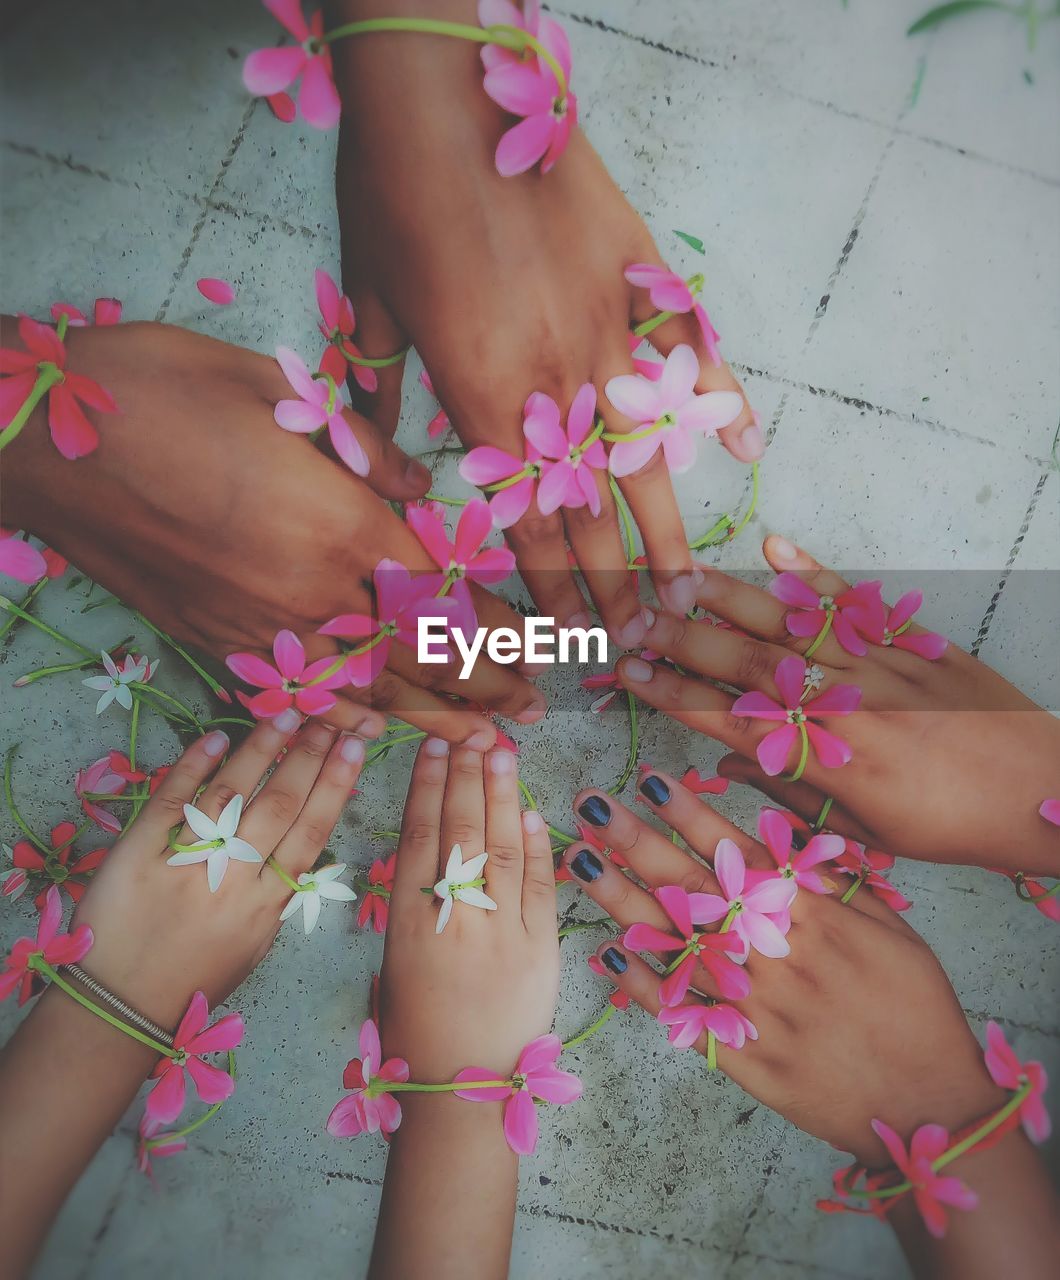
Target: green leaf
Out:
[694,241]
[952,10]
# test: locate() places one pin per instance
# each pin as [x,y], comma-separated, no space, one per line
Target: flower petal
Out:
[523,145]
[520,1123]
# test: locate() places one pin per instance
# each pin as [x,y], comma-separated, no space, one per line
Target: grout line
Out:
[991,609]
[88,1257]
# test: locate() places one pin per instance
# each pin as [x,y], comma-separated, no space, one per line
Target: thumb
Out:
[392,474]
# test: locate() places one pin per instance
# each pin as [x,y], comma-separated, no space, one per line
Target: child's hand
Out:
[476,993]
[950,762]
[852,1025]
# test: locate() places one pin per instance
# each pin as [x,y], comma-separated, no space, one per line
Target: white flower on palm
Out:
[218,842]
[312,886]
[461,883]
[115,684]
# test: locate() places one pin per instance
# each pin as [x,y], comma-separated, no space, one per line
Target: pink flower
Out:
[687,1022]
[290,683]
[811,611]
[776,834]
[217,291]
[567,478]
[18,559]
[55,947]
[366,1110]
[692,780]
[55,869]
[757,912]
[536,1076]
[696,947]
[375,901]
[669,412]
[529,88]
[282,107]
[516,479]
[319,405]
[1050,811]
[464,557]
[930,1191]
[99,778]
[610,682]
[105,311]
[162,1144]
[192,1039]
[1007,1071]
[440,421]
[72,433]
[268,72]
[889,626]
[866,865]
[670,292]
[337,324]
[795,713]
[1045,900]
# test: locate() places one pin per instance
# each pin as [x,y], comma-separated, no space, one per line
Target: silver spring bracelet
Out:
[109,998]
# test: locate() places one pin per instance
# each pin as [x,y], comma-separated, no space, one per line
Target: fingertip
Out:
[746,443]
[782,553]
[634,671]
[614,959]
[215,744]
[417,478]
[533,823]
[481,740]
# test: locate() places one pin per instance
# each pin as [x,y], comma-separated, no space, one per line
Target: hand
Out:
[926,738]
[505,286]
[198,510]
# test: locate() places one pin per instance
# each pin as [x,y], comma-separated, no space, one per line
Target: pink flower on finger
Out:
[536,1076]
[697,947]
[670,292]
[1012,1074]
[337,325]
[568,462]
[191,1040]
[890,626]
[687,1022]
[466,556]
[440,421]
[670,414]
[19,560]
[867,866]
[756,910]
[375,901]
[796,710]
[776,833]
[268,72]
[319,405]
[368,1108]
[54,947]
[931,1191]
[811,611]
[513,480]
[290,682]
[96,779]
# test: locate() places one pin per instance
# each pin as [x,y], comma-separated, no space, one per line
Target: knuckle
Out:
[279,804]
[696,880]
[316,833]
[421,832]
[755,662]
[221,794]
[464,834]
[171,805]
[503,854]
[533,529]
[737,726]
[384,691]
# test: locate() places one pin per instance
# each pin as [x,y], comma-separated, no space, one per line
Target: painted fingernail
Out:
[417,476]
[783,549]
[533,713]
[587,866]
[631,633]
[436,747]
[214,743]
[679,594]
[352,750]
[532,822]
[502,763]
[596,810]
[752,442]
[655,789]
[287,721]
[637,670]
[615,961]
[480,740]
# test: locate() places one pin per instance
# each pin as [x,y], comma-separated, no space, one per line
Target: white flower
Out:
[115,684]
[312,886]
[219,842]
[12,883]
[458,884]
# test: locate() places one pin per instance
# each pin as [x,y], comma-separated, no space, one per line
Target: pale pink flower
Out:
[1050,811]
[810,610]
[567,467]
[268,72]
[687,1022]
[1010,1073]
[219,292]
[114,685]
[365,1110]
[56,948]
[670,412]
[465,556]
[758,912]
[706,949]
[776,832]
[440,421]
[99,778]
[192,1039]
[319,405]
[18,559]
[162,1144]
[930,1190]
[797,710]
[290,682]
[536,1076]
[337,325]
[887,626]
[670,292]
[71,432]
[487,465]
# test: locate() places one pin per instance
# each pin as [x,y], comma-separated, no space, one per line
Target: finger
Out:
[421,826]
[717,652]
[299,849]
[393,695]
[699,825]
[272,812]
[464,810]
[391,472]
[800,797]
[619,896]
[540,547]
[351,716]
[376,392]
[539,876]
[629,973]
[504,833]
[489,684]
[165,809]
[784,557]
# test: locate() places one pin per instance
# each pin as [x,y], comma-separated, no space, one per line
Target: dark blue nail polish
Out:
[596,810]
[615,961]
[587,866]
[655,789]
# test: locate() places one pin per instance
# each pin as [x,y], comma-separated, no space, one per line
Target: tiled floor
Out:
[880,216]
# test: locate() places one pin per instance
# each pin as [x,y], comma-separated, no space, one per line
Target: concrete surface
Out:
[880,217]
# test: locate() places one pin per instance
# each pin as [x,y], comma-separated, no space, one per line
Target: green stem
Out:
[47,377]
[580,925]
[9,797]
[215,686]
[153,692]
[38,963]
[592,1028]
[375,362]
[649,326]
[753,507]
[804,754]
[19,612]
[822,817]
[528,473]
[26,601]
[819,639]
[151,1143]
[858,882]
[448,502]
[451,1087]
[292,884]
[712,1051]
[634,747]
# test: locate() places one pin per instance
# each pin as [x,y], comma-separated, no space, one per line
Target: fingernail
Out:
[587,866]
[615,961]
[436,747]
[679,594]
[372,725]
[709,585]
[352,750]
[596,810]
[533,713]
[214,743]
[417,476]
[502,763]
[783,549]
[287,721]
[752,442]
[631,633]
[655,789]
[480,740]
[532,822]
[637,670]
[580,620]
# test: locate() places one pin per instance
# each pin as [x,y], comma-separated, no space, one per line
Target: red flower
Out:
[375,902]
[56,948]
